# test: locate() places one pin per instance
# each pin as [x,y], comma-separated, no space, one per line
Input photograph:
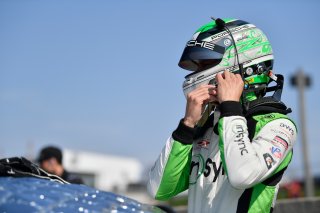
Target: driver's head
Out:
[50,158]
[211,50]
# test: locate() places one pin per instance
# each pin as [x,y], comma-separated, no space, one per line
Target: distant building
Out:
[104,172]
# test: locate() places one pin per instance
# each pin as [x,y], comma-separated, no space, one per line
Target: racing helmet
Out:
[229,44]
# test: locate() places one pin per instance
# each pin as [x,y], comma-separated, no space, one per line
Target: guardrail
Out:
[298,205]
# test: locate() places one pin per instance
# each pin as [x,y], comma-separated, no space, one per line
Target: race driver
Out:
[235,141]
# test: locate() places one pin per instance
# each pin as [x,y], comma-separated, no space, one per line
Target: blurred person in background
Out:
[234,143]
[50,159]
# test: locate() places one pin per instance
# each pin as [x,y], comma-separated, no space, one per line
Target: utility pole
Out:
[301,81]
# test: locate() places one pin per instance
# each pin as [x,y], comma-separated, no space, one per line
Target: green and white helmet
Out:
[212,50]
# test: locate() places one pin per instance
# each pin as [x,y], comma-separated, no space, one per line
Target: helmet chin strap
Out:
[242,76]
[205,115]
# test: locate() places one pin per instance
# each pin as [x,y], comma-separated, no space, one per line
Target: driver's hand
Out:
[196,102]
[230,86]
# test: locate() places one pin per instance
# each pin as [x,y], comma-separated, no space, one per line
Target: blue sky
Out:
[102,76]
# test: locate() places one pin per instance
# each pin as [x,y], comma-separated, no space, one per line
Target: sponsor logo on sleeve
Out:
[276,152]
[282,133]
[269,116]
[287,128]
[277,140]
[269,160]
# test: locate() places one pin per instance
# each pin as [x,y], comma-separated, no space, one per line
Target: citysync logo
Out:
[209,168]
[239,139]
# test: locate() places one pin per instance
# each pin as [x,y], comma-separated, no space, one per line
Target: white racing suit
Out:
[231,164]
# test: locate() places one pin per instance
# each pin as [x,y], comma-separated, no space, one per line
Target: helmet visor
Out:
[195,58]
